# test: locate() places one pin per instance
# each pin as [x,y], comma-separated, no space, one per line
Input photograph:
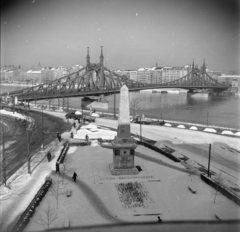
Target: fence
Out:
[28,213]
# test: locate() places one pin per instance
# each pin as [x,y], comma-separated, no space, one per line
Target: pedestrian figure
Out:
[59,137]
[74,176]
[74,124]
[79,120]
[49,156]
[86,138]
[159,219]
[57,168]
[71,135]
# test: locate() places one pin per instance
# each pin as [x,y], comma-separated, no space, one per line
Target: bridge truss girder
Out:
[96,81]
[195,79]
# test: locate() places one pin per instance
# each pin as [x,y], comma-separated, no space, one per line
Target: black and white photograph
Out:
[120,115]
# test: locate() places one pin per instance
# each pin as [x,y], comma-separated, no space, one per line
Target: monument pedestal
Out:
[121,171]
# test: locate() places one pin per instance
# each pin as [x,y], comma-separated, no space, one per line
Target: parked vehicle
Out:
[89,118]
[73,115]
[138,119]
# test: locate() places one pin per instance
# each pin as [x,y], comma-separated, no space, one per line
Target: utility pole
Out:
[209,160]
[28,151]
[207,118]
[3,157]
[67,104]
[140,129]
[114,115]
[28,93]
[42,130]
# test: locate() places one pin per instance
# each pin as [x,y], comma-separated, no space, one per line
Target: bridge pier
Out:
[15,100]
[58,104]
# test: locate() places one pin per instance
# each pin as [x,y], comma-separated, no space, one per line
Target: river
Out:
[211,110]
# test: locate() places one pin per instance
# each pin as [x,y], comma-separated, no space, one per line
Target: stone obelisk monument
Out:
[123,145]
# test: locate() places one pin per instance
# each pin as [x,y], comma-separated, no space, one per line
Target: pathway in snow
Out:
[96,202]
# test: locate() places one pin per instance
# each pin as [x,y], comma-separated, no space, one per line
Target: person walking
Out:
[86,138]
[57,168]
[59,137]
[159,220]
[74,176]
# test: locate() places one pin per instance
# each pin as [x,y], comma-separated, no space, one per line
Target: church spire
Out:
[204,66]
[88,57]
[101,56]
[193,65]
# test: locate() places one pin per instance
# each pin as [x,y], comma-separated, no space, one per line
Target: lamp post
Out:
[42,129]
[114,114]
[140,128]
[28,92]
[82,108]
[209,160]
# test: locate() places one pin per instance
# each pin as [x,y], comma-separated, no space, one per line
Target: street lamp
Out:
[82,108]
[42,129]
[140,128]
[209,160]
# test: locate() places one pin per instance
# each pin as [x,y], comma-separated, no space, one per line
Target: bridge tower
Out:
[102,74]
[192,72]
[204,72]
[95,75]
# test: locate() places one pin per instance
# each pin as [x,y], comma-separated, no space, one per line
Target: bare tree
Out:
[55,189]
[31,130]
[48,216]
[134,105]
[3,157]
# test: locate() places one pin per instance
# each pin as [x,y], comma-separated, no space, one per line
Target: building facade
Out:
[173,73]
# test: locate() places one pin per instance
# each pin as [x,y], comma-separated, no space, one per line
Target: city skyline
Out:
[133,34]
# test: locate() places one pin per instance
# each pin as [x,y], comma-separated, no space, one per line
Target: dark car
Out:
[73,115]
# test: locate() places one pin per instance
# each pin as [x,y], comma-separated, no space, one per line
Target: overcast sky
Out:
[133,33]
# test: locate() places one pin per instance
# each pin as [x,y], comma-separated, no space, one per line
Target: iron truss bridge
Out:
[94,80]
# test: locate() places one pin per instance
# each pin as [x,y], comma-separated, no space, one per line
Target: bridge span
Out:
[94,80]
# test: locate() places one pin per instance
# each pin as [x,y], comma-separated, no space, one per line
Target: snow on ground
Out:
[95,199]
[22,187]
[193,128]
[13,114]
[211,130]
[225,151]
[94,132]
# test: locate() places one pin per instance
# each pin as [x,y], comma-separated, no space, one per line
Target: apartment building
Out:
[173,73]
[156,75]
[133,75]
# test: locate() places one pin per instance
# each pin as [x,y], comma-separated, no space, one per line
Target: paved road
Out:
[16,139]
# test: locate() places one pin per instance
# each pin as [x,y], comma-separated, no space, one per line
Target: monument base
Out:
[125,171]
